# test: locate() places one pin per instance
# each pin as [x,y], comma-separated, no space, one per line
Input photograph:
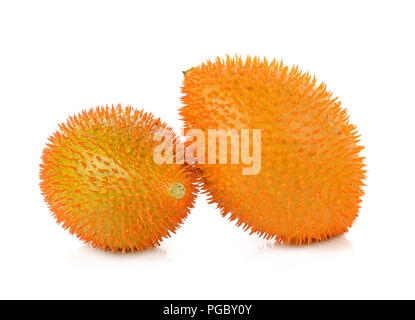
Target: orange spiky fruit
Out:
[309,185]
[100,180]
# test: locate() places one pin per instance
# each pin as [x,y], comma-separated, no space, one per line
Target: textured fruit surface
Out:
[99,180]
[309,187]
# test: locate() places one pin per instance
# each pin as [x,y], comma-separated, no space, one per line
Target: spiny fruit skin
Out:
[99,180]
[310,184]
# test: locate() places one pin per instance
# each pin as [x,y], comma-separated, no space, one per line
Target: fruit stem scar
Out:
[177,190]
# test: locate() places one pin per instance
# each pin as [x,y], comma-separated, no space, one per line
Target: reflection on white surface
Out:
[258,248]
[87,254]
[340,243]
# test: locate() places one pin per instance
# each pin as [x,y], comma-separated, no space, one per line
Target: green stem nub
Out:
[187,71]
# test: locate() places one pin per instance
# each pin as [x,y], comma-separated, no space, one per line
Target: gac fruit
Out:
[99,180]
[309,186]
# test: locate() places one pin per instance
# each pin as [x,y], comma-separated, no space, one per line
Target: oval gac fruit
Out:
[309,184]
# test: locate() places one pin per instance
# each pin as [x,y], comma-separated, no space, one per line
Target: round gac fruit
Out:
[100,180]
[306,184]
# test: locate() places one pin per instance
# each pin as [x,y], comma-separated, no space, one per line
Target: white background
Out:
[57,58]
